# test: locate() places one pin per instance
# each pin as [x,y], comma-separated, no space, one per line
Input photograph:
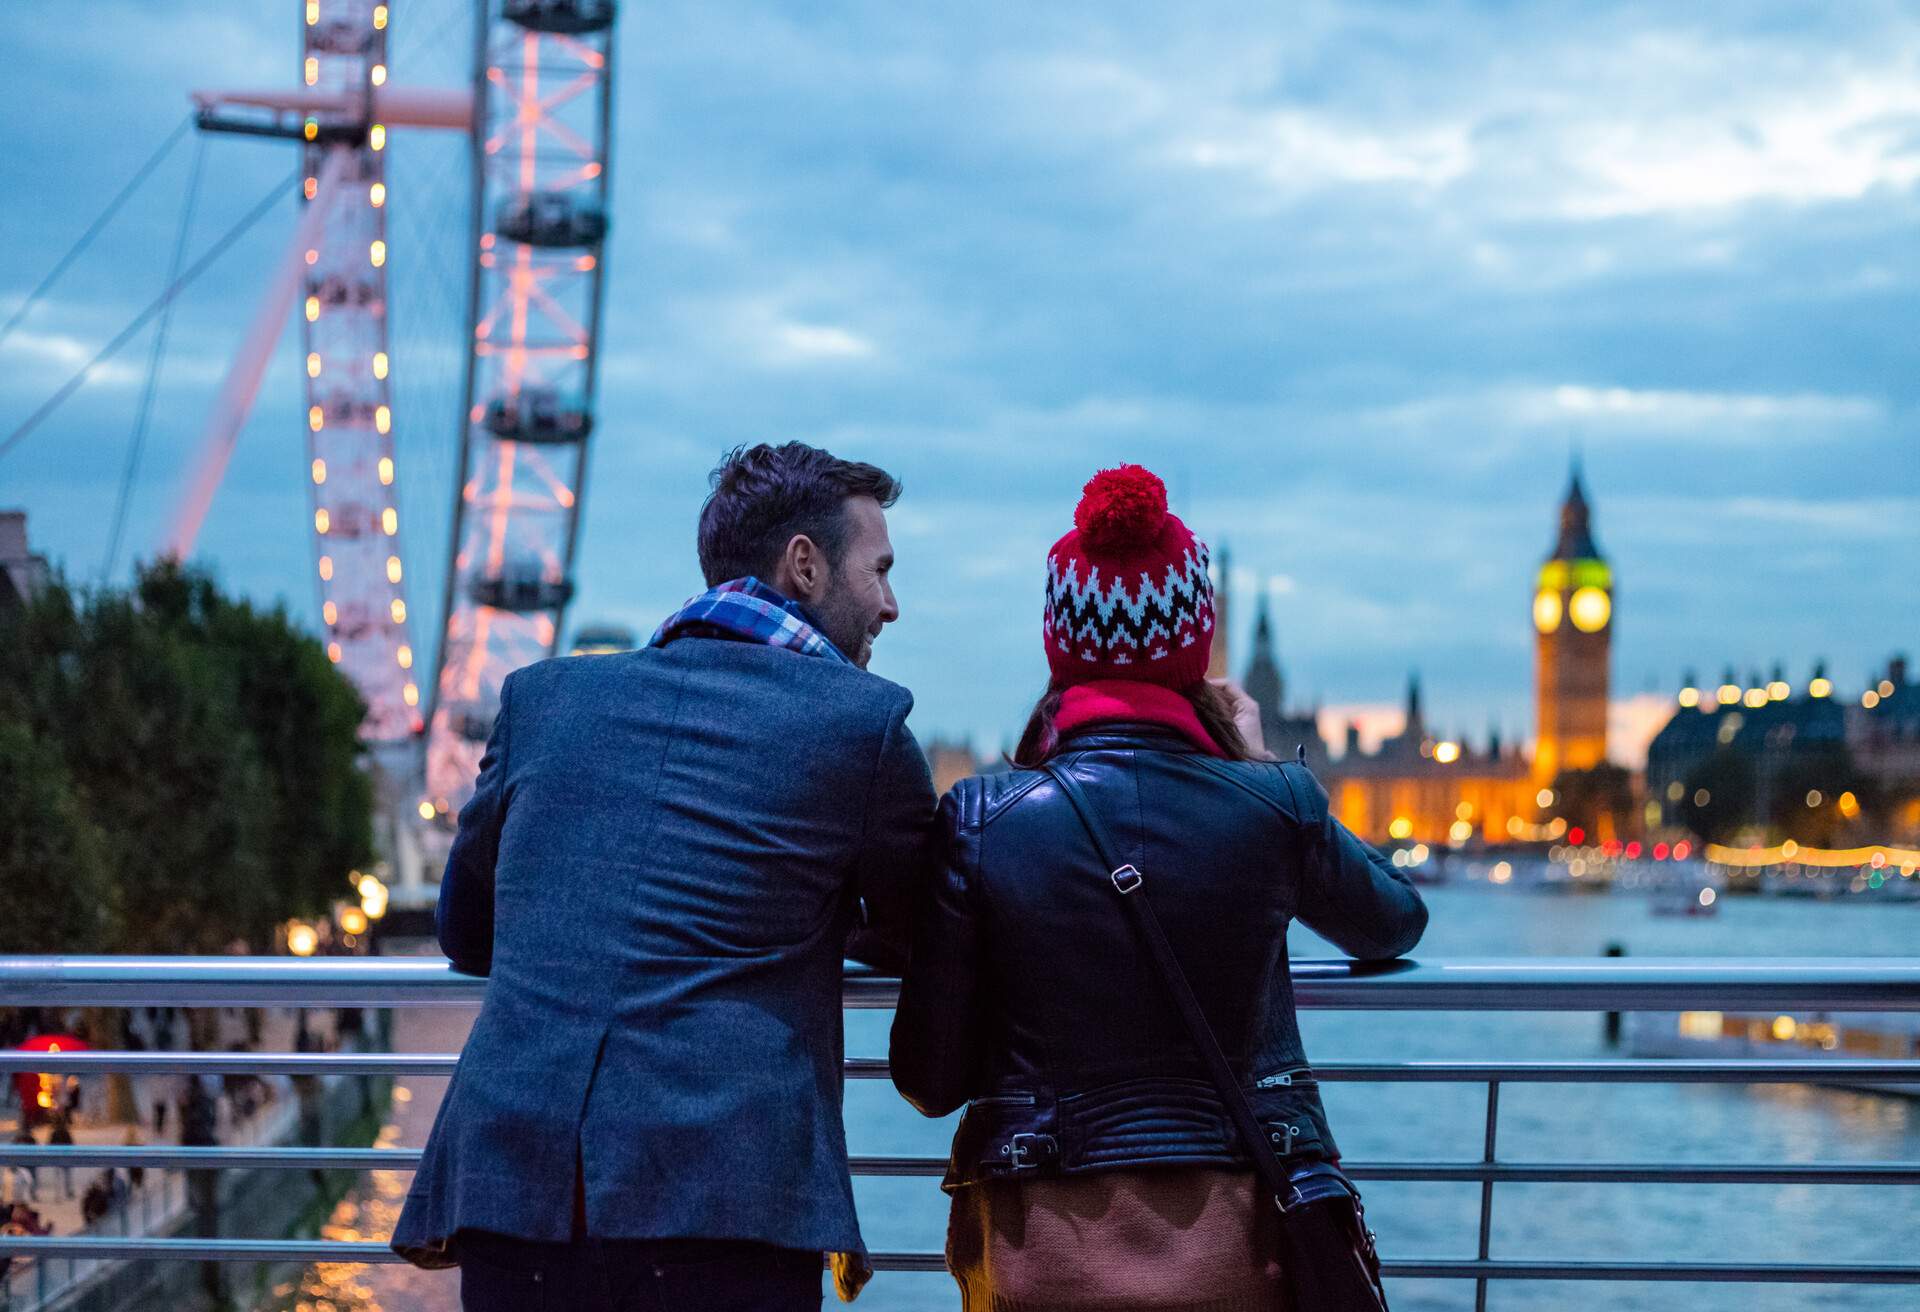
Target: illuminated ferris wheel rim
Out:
[541,117]
[537,117]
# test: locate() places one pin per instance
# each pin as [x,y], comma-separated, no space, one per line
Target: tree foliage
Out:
[1721,793]
[1603,792]
[210,750]
[51,852]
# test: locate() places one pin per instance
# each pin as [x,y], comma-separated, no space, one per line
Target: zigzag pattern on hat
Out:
[1123,621]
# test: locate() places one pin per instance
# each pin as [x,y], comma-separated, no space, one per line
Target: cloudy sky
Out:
[1355,278]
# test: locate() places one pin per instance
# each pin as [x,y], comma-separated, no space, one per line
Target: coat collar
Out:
[1122,735]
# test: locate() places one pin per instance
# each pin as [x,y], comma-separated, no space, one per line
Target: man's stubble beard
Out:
[846,630]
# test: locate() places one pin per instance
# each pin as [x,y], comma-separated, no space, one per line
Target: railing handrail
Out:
[1446,984]
[1579,1070]
[169,1157]
[334,1250]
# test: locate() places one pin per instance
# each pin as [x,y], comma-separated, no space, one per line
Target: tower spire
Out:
[1576,519]
[1264,682]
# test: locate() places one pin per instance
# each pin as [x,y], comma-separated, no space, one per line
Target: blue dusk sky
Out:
[1356,279]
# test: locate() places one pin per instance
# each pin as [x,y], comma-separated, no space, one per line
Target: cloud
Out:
[1693,410]
[1838,139]
[1301,152]
[1354,282]
[1726,417]
[49,359]
[818,341]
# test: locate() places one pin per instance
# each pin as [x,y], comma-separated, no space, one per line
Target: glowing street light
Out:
[302,939]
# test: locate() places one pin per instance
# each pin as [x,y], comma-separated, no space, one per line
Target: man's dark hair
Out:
[763,495]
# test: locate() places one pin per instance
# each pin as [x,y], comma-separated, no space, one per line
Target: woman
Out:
[1096,1166]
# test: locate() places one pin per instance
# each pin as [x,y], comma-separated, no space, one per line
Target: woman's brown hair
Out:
[1040,740]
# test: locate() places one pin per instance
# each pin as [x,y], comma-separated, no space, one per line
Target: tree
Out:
[1598,799]
[214,749]
[1803,799]
[59,894]
[1721,796]
[304,719]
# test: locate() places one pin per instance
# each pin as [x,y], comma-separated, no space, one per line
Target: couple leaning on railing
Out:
[667,852]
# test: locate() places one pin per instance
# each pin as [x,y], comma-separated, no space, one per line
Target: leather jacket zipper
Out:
[1286,1079]
[1004,1100]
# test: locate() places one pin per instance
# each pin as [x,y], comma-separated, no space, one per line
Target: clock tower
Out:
[1573,638]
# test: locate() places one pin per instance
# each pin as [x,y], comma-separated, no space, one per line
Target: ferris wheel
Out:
[537,116]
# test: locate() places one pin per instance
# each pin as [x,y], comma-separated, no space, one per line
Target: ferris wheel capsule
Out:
[521,587]
[568,17]
[538,415]
[552,219]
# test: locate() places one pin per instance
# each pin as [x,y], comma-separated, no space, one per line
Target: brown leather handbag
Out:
[1327,1255]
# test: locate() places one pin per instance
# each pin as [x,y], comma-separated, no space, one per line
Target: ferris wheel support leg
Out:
[249,366]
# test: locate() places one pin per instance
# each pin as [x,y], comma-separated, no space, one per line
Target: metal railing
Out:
[1643,984]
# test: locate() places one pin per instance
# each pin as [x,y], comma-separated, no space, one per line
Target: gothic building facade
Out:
[1419,786]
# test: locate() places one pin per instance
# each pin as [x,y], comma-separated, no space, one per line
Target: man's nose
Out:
[889,608]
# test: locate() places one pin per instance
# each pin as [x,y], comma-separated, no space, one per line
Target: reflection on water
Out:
[368,1212]
[1407,1122]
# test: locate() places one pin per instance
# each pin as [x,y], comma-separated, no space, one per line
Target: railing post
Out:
[1486,1193]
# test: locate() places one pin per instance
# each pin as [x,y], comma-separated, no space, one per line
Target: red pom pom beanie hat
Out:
[1128,595]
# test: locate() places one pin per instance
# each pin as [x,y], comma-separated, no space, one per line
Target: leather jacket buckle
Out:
[1126,879]
[1023,1150]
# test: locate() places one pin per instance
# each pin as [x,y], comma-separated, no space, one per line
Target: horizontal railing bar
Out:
[327,1250]
[1742,1273]
[1453,984]
[1894,1173]
[93,1062]
[1599,1070]
[1608,1070]
[165,1157]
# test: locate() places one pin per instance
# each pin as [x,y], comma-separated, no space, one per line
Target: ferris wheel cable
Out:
[260,210]
[449,303]
[417,32]
[140,175]
[154,360]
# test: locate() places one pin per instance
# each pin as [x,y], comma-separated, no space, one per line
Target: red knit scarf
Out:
[1103,700]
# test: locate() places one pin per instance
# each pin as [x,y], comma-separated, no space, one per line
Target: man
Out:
[662,861]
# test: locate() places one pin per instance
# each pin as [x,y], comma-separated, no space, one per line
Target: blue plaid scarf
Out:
[747,610]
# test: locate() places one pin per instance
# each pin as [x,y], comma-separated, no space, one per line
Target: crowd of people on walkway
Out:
[200,1110]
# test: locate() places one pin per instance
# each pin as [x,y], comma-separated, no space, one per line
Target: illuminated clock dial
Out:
[1546,610]
[1589,609]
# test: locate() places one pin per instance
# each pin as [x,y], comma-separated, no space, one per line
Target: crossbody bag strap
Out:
[1131,886]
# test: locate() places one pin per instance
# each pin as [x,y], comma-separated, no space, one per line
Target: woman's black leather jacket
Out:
[1030,1000]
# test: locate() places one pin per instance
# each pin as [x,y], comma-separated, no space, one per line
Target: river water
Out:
[1405,1122]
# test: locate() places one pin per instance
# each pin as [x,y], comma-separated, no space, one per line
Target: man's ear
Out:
[803,569]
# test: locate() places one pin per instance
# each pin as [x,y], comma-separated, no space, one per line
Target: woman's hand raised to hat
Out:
[1246,717]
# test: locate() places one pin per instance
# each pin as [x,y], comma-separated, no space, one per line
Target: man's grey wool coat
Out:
[658,872]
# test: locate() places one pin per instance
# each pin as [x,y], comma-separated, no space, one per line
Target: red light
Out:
[1576,835]
[1681,849]
[1660,851]
[1611,847]
[1633,851]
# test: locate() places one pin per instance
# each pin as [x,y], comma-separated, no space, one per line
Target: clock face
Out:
[1589,609]
[1546,610]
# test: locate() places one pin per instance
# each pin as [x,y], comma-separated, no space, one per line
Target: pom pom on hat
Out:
[1128,595]
[1121,509]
